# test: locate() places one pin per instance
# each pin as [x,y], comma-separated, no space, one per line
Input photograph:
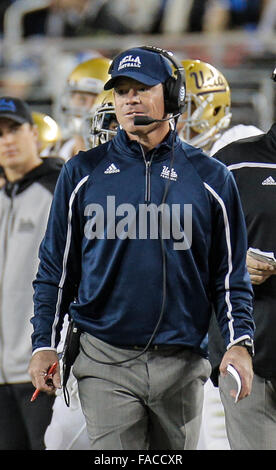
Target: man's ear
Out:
[36,135]
[35,130]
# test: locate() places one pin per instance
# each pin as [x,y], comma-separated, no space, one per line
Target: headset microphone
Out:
[145,120]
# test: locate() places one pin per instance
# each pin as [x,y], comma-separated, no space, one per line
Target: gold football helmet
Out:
[208,103]
[49,133]
[89,76]
[102,124]
[83,85]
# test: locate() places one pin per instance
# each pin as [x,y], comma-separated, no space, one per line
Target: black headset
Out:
[174,87]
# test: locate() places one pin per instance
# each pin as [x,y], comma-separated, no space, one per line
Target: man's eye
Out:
[120,91]
[12,130]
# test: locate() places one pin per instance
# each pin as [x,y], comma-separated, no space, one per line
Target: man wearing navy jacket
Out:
[145,238]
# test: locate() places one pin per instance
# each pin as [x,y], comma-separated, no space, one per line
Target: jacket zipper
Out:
[147,190]
[148,171]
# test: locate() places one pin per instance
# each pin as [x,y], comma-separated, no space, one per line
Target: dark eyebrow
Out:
[15,125]
[12,125]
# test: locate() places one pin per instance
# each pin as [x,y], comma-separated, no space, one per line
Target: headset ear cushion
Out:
[171,96]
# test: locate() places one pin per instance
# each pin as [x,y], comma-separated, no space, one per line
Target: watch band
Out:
[248,344]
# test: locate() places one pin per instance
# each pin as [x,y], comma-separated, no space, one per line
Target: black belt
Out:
[152,347]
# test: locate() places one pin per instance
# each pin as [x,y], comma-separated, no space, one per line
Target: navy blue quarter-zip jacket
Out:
[101,257]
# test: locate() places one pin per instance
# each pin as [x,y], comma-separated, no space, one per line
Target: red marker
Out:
[48,376]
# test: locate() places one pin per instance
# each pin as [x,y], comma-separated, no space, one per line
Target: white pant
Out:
[213,432]
[67,430]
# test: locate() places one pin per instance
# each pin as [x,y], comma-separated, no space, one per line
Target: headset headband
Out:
[175,89]
[169,55]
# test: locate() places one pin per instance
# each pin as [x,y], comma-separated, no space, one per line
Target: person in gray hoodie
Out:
[25,200]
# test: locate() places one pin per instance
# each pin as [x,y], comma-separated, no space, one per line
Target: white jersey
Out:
[66,151]
[240,131]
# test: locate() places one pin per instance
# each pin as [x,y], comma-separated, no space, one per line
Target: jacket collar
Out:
[48,164]
[132,148]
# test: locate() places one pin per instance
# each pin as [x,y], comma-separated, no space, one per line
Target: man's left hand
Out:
[240,358]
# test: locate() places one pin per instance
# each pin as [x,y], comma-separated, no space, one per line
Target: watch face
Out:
[249,346]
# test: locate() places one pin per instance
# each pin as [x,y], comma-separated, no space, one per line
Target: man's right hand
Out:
[39,365]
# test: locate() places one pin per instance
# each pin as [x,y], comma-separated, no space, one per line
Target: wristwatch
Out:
[248,344]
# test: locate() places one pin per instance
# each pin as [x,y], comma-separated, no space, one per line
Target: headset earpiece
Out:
[171,97]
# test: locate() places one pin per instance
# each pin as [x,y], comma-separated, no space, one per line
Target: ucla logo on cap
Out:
[7,105]
[129,61]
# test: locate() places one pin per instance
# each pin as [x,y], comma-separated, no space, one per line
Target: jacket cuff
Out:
[237,340]
[43,349]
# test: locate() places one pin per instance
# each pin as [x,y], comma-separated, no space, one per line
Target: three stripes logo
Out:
[270,181]
[112,169]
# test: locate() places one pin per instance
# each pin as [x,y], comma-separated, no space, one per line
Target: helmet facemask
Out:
[103,126]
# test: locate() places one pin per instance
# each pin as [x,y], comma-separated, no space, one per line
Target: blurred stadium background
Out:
[35,67]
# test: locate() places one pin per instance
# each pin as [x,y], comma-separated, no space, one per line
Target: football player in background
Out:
[208,114]
[83,86]
[208,104]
